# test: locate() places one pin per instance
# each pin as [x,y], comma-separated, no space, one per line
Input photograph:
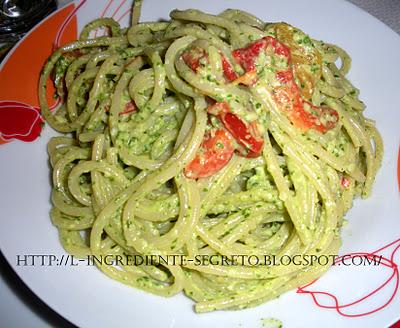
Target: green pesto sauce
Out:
[271,323]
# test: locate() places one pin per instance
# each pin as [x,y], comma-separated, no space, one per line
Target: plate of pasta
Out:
[232,163]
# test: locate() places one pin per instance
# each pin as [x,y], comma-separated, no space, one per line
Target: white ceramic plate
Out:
[88,298]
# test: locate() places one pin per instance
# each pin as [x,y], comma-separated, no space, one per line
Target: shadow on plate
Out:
[26,296]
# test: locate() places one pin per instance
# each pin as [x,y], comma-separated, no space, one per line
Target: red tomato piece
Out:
[215,152]
[193,56]
[285,76]
[246,57]
[130,107]
[302,114]
[229,72]
[286,95]
[246,134]
[278,47]
[345,182]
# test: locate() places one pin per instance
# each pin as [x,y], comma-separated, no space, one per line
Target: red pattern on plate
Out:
[339,306]
[19,77]
[19,121]
[69,22]
[396,325]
